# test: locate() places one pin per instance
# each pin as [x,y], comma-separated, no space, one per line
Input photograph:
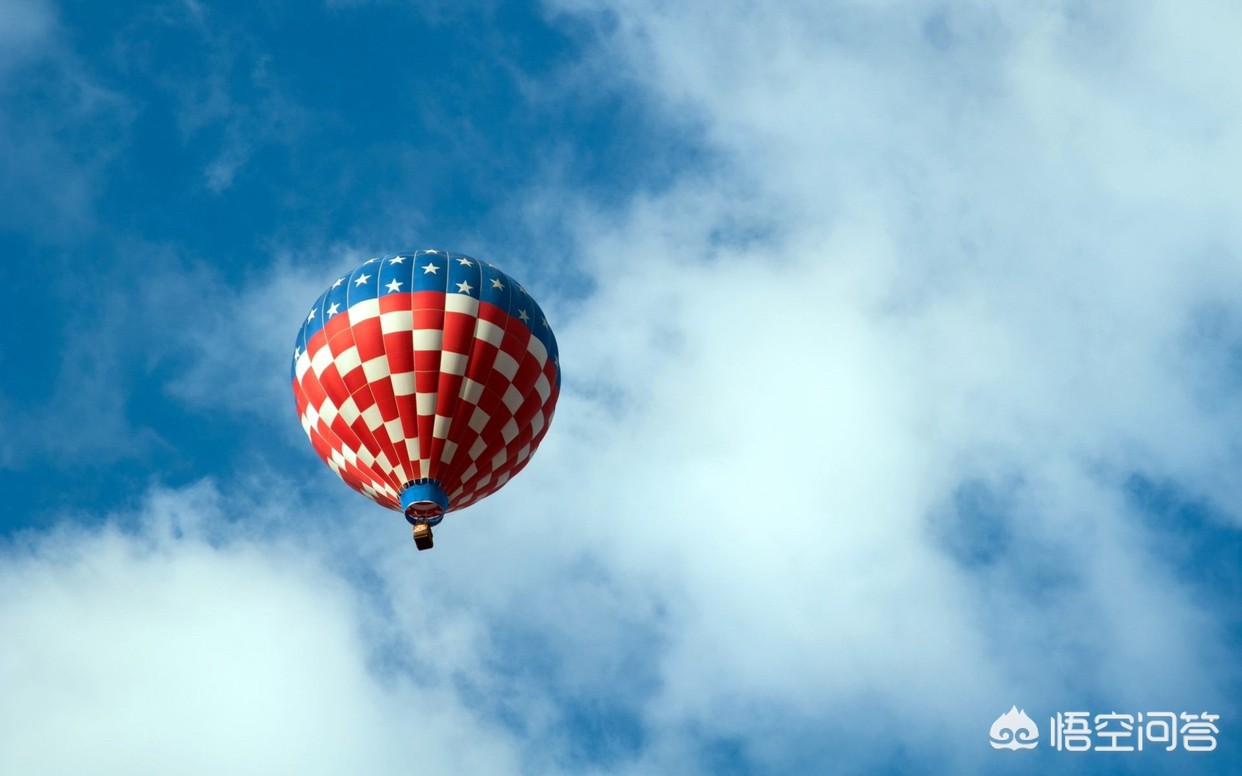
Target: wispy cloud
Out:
[225,100]
[26,26]
[59,128]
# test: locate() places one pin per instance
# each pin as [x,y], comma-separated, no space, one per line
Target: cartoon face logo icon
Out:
[1014,730]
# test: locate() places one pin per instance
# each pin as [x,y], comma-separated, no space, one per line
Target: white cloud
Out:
[157,649]
[992,235]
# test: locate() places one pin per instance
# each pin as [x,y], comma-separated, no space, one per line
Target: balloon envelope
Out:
[425,380]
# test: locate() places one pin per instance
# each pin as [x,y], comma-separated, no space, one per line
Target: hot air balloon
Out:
[425,380]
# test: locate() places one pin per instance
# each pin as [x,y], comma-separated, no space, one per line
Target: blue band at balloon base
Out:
[424,495]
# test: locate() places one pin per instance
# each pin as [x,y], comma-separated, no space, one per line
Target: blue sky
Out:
[900,347]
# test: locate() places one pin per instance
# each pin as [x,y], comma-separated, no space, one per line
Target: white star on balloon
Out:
[497,284]
[397,260]
[310,317]
[430,269]
[333,309]
[465,262]
[393,286]
[338,282]
[523,316]
[362,279]
[464,287]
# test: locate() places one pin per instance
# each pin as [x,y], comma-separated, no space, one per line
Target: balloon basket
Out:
[422,536]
